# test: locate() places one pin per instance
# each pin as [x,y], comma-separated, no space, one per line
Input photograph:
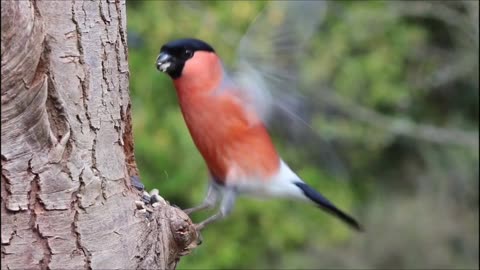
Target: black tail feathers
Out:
[325,204]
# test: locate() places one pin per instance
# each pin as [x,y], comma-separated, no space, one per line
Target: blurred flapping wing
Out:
[269,55]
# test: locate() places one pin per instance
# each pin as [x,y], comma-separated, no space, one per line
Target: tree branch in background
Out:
[401,126]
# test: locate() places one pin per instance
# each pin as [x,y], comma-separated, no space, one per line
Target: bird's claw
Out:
[199,227]
[187,211]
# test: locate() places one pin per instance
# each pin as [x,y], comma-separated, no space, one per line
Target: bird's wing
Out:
[269,55]
[269,62]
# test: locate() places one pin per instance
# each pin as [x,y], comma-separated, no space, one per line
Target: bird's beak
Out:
[164,62]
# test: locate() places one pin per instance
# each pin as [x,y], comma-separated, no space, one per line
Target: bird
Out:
[232,139]
[227,125]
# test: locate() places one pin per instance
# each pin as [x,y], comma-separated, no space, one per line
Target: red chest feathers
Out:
[229,138]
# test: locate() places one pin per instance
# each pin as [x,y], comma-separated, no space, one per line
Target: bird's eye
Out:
[188,53]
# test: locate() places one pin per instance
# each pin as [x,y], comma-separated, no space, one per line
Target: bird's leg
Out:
[209,201]
[225,208]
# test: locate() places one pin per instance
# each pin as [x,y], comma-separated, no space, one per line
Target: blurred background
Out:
[394,104]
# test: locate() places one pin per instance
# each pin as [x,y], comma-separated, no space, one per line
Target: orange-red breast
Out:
[229,132]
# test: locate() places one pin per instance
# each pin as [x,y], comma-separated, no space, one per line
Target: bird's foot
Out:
[199,227]
[203,206]
[188,211]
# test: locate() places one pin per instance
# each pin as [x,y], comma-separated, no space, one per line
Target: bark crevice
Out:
[36,207]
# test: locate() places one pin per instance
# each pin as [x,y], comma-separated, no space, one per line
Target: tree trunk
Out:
[67,145]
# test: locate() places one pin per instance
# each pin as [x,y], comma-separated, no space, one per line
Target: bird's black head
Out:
[174,54]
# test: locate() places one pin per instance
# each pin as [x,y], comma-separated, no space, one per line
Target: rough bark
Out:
[67,145]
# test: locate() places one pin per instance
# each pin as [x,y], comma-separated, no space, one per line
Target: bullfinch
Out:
[227,124]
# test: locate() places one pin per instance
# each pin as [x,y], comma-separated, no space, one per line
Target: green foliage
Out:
[417,199]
